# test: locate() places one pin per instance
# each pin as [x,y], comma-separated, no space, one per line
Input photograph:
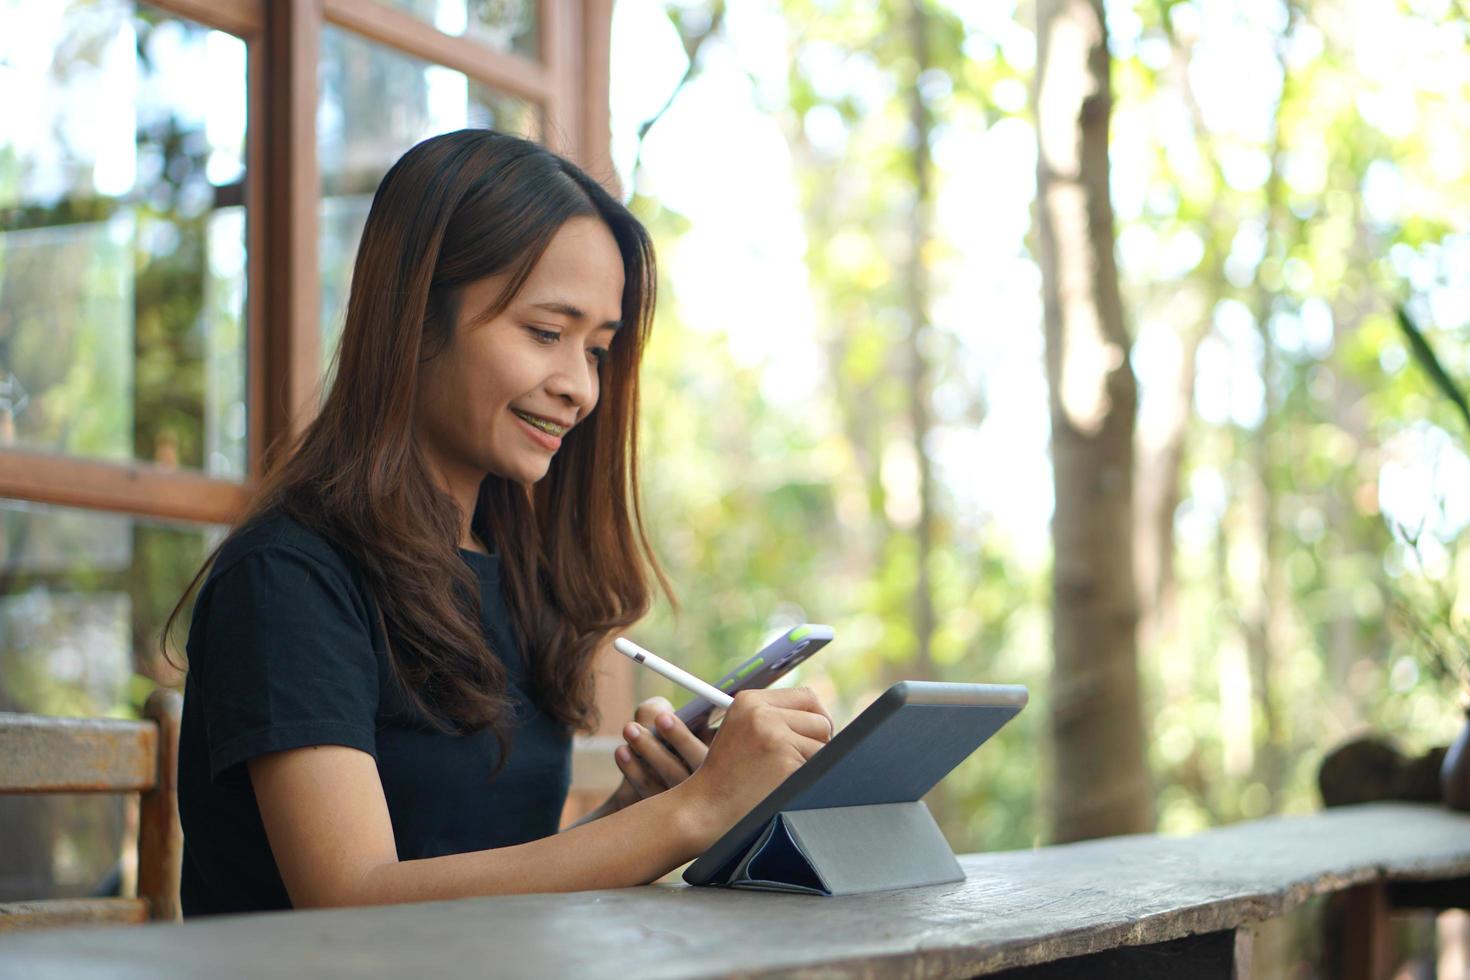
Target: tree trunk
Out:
[1102,783]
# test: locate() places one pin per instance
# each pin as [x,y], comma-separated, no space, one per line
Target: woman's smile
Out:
[544,432]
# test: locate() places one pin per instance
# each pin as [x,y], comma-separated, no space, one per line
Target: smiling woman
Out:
[524,375]
[388,654]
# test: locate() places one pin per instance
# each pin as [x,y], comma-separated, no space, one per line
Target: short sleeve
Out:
[285,659]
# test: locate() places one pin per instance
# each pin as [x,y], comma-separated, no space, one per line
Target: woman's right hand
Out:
[765,737]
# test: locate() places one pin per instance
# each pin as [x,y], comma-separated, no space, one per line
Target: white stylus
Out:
[684,679]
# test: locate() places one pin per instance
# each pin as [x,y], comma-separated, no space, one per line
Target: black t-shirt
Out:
[285,652]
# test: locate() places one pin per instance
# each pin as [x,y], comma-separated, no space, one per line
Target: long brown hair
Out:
[575,558]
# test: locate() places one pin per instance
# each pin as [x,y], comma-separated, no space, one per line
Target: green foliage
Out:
[1281,641]
[1264,243]
[1424,354]
[769,511]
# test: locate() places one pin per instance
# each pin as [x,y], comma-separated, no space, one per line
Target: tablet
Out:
[894,752]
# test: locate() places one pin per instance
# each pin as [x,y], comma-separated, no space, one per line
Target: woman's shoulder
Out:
[274,536]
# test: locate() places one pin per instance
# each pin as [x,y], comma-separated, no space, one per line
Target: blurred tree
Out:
[1102,780]
[874,93]
[1269,190]
[832,507]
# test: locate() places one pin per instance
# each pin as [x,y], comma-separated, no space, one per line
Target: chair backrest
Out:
[40,754]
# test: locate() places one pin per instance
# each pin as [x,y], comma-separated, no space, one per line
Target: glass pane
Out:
[505,25]
[83,596]
[374,104]
[122,236]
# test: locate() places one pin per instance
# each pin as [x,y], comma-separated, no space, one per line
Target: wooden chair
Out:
[40,754]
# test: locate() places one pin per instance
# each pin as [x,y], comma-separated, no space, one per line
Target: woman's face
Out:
[502,395]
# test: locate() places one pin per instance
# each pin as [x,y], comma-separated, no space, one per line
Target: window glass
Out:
[83,597]
[505,25]
[374,104]
[122,236]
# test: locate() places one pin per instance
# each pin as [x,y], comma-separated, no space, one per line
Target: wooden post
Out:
[561,41]
[160,836]
[578,111]
[596,136]
[1364,947]
[285,348]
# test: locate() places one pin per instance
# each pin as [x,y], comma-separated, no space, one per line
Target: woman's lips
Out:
[542,438]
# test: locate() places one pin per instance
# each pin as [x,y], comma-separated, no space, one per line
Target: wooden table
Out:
[1179,903]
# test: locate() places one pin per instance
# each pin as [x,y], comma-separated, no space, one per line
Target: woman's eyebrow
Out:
[567,309]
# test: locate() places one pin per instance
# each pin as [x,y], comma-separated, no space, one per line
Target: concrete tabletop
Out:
[1015,908]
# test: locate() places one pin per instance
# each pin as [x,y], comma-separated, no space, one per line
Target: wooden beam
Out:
[583,107]
[288,374]
[560,30]
[257,423]
[244,18]
[40,754]
[132,488]
[1224,955]
[18,916]
[596,58]
[510,73]
[616,694]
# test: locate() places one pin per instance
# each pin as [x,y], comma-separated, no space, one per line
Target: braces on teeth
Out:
[543,425]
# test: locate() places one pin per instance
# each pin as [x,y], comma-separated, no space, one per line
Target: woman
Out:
[387,656]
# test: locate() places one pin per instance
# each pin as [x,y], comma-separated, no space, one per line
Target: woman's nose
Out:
[576,379]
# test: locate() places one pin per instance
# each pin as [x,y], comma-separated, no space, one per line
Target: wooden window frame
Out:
[569,86]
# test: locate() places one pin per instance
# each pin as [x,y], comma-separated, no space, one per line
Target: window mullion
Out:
[509,73]
[140,489]
[243,18]
[284,378]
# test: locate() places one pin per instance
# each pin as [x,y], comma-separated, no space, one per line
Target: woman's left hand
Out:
[647,764]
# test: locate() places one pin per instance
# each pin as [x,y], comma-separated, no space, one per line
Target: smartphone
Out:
[776,659]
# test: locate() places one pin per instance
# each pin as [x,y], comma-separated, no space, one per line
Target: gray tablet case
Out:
[851,819]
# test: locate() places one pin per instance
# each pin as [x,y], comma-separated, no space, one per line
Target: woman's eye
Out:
[598,355]
[547,337]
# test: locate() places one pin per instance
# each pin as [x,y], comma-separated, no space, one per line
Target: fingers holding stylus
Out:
[764,737]
[662,744]
[782,720]
[815,728]
[802,710]
[638,775]
[659,715]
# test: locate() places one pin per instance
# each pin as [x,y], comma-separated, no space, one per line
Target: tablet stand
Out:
[847,851]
